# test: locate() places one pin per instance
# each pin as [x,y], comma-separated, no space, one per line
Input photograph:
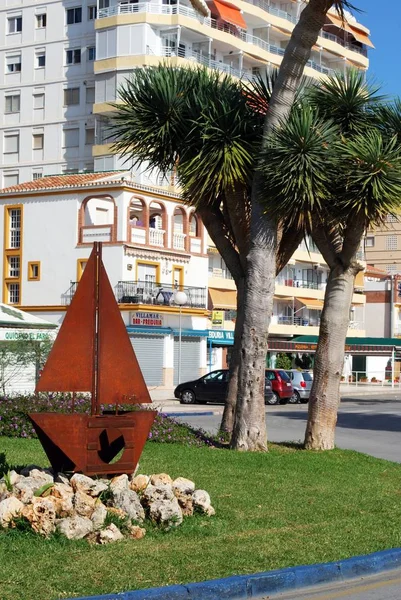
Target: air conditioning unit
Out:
[217,272]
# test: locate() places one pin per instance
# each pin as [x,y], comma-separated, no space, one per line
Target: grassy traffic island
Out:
[284,508]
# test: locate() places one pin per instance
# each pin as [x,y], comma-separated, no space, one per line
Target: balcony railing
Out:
[96,233]
[147,292]
[155,294]
[185,11]
[299,321]
[179,240]
[301,283]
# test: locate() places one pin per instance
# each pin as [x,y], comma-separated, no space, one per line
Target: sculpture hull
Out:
[93,445]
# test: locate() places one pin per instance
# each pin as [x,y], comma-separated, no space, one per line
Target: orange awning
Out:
[229,13]
[223,299]
[361,37]
[311,303]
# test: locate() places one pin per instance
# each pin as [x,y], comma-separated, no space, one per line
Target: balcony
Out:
[304,321]
[185,11]
[146,292]
[157,294]
[300,283]
[96,233]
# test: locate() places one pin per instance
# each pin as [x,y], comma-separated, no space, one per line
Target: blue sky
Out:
[383,18]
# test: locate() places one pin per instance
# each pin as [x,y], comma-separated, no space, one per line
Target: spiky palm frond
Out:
[390,118]
[369,179]
[348,100]
[298,165]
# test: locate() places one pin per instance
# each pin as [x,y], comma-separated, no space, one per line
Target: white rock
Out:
[13,477]
[92,487]
[202,502]
[129,502]
[161,479]
[110,534]
[139,483]
[63,496]
[44,516]
[42,475]
[26,486]
[99,515]
[9,508]
[119,484]
[83,504]
[166,513]
[75,528]
[184,486]
[155,493]
[62,479]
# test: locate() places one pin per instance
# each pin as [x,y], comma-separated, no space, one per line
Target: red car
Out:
[281,385]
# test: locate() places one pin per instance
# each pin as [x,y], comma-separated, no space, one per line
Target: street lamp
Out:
[180,298]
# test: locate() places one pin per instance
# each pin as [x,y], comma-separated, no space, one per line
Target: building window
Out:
[13,293]
[90,95]
[369,241]
[104,3]
[73,57]
[14,24]
[91,53]
[10,179]
[37,175]
[37,141]
[71,138]
[14,228]
[11,143]
[391,242]
[71,96]
[38,101]
[74,15]
[34,271]
[13,266]
[40,61]
[392,219]
[41,21]
[391,269]
[90,136]
[12,104]
[81,264]
[13,63]
[92,13]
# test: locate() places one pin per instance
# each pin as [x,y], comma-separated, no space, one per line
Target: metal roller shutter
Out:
[149,350]
[190,358]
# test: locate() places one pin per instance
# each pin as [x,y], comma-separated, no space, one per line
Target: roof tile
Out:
[60,181]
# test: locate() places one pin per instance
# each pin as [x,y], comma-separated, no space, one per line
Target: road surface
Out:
[386,586]
[366,424]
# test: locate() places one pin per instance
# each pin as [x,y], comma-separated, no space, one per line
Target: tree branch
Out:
[353,235]
[213,220]
[288,240]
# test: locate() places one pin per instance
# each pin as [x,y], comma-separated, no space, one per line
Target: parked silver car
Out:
[302,384]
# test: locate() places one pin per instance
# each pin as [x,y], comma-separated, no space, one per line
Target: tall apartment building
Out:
[383,246]
[62,61]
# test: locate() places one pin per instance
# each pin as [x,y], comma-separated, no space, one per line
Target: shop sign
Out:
[306,347]
[218,319]
[222,336]
[148,319]
[13,335]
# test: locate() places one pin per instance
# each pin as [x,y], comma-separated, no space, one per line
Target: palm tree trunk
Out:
[227,421]
[325,394]
[249,431]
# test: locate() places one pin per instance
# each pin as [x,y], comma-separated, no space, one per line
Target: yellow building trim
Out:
[81,264]
[180,270]
[34,267]
[196,312]
[152,263]
[102,149]
[9,252]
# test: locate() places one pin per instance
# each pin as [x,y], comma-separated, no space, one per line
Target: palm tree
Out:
[248,434]
[330,165]
[168,128]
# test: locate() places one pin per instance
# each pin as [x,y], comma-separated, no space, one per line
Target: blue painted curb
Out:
[244,587]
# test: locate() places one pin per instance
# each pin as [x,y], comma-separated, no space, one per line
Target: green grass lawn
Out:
[274,510]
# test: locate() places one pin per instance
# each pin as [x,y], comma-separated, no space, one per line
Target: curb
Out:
[191,414]
[245,587]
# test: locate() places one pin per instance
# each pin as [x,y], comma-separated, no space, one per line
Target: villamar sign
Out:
[148,319]
[224,336]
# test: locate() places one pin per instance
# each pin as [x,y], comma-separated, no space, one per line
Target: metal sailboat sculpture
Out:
[93,353]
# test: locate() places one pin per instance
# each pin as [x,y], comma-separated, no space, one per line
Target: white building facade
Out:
[62,61]
[153,246]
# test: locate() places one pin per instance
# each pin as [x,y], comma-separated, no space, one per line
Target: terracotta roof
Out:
[371,270]
[64,181]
